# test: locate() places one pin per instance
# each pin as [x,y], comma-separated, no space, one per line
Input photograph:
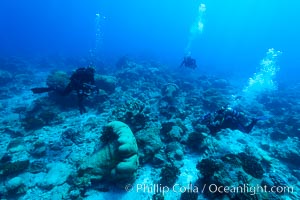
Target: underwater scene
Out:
[148,99]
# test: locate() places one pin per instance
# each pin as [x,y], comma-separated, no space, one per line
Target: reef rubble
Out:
[141,129]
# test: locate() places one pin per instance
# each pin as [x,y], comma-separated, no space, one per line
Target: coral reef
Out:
[39,149]
[5,77]
[251,165]
[106,83]
[149,144]
[170,91]
[195,139]
[117,161]
[12,168]
[15,186]
[208,167]
[169,174]
[38,119]
[155,135]
[287,151]
[189,195]
[133,113]
[57,174]
[158,196]
[58,80]
[71,136]
[123,62]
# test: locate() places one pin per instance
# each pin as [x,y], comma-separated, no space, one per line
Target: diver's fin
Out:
[41,90]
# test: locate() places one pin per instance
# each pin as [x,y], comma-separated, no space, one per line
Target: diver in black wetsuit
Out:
[82,81]
[189,62]
[226,117]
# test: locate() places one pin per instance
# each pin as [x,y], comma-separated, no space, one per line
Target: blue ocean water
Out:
[236,33]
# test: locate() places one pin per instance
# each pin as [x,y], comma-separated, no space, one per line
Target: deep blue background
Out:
[235,38]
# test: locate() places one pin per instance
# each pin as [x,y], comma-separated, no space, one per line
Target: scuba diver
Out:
[82,81]
[226,117]
[189,62]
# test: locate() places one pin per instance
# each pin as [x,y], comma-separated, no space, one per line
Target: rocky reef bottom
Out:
[141,137]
